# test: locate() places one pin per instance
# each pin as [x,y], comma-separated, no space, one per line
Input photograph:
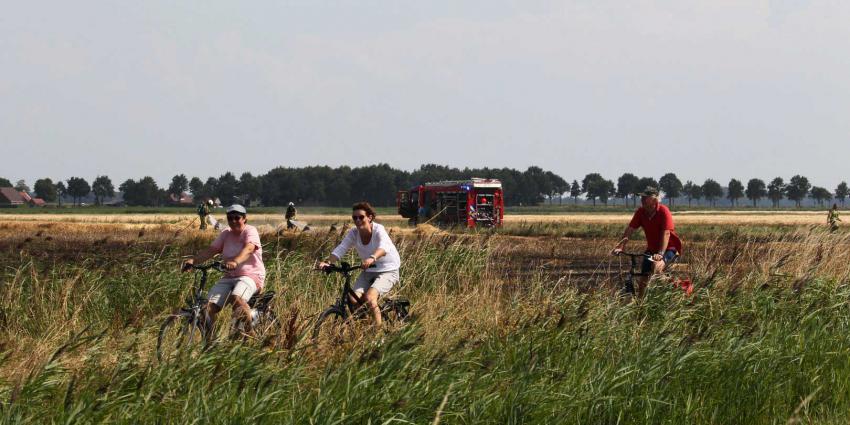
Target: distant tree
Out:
[45,189]
[145,192]
[5,182]
[575,191]
[627,185]
[557,186]
[179,184]
[129,190]
[78,187]
[102,188]
[593,185]
[696,192]
[711,190]
[196,186]
[820,195]
[797,189]
[227,188]
[210,189]
[537,184]
[671,186]
[606,190]
[735,191]
[61,191]
[249,188]
[841,192]
[756,190]
[21,186]
[688,190]
[776,190]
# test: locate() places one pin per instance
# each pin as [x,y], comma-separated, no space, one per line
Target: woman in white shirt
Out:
[374,247]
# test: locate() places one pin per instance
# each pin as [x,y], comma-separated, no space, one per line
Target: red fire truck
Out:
[471,203]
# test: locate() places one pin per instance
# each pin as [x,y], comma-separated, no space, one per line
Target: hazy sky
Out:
[702,88]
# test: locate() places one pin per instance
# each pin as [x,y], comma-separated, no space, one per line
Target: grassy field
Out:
[520,325]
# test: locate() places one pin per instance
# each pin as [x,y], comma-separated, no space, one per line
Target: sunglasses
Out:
[234,217]
[358,217]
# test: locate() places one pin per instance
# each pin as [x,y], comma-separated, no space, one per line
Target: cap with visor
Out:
[237,209]
[649,191]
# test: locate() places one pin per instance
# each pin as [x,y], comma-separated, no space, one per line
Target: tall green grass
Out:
[759,342]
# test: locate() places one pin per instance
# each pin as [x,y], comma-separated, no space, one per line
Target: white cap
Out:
[291,204]
[237,208]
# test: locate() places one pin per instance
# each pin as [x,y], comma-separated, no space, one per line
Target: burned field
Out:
[523,324]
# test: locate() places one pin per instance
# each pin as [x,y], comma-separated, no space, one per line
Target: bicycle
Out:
[627,286]
[189,328]
[333,319]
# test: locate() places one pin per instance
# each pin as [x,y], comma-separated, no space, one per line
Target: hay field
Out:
[521,325]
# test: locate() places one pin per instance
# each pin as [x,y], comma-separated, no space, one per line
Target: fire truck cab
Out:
[471,203]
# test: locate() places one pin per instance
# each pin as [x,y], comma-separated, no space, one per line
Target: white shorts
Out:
[242,287]
[381,281]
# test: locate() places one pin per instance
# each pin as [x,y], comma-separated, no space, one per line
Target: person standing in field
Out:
[242,254]
[832,218]
[662,242]
[374,247]
[290,215]
[204,212]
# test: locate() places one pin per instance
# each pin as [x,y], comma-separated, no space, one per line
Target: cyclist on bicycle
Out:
[662,243]
[242,254]
[374,247]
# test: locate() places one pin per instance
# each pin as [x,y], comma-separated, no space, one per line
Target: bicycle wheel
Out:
[331,325]
[266,324]
[395,310]
[179,333]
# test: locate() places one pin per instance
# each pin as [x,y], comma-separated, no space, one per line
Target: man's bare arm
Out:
[665,240]
[621,245]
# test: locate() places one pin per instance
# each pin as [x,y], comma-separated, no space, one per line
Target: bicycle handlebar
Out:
[343,267]
[217,265]
[634,254]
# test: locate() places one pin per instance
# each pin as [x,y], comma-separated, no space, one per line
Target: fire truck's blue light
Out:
[465,187]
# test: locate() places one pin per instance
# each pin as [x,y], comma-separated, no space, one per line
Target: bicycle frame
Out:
[347,293]
[199,302]
[633,258]
[628,282]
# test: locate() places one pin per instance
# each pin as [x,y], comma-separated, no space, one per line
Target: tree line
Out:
[341,186]
[317,185]
[629,186]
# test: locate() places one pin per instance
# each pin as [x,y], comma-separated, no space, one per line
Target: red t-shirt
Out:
[652,228]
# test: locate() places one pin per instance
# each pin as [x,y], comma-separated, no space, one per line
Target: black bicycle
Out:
[334,319]
[188,329]
[627,282]
[635,269]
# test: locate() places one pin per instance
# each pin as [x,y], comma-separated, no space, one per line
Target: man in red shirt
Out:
[662,243]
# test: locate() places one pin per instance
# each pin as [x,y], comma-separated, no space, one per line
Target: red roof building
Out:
[10,196]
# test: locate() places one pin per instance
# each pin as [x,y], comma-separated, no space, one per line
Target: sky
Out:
[704,89]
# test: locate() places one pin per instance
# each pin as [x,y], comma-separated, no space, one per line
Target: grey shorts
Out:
[242,287]
[381,281]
